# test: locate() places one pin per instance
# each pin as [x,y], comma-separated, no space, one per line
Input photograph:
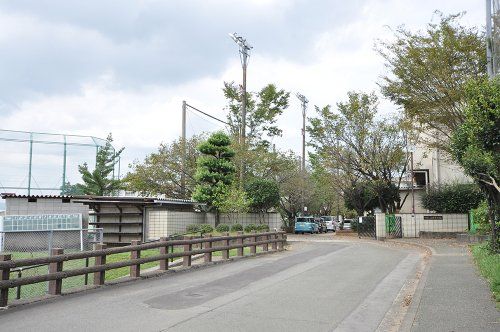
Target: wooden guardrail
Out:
[56,273]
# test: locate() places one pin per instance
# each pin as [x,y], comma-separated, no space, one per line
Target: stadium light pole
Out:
[304,102]
[244,49]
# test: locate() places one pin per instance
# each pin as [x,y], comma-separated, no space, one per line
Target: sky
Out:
[94,67]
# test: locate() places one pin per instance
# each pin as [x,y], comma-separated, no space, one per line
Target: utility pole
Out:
[304,102]
[244,49]
[183,147]
[489,40]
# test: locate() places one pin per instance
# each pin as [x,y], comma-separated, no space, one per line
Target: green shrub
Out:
[481,221]
[236,228]
[489,266]
[250,227]
[453,198]
[263,228]
[206,228]
[221,228]
[193,228]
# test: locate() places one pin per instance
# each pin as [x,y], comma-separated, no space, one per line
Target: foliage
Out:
[215,171]
[354,146]
[199,228]
[489,266]
[476,144]
[236,228]
[160,173]
[235,201]
[262,111]
[250,227]
[262,228]
[264,194]
[222,228]
[71,190]
[481,218]
[429,71]
[100,181]
[452,198]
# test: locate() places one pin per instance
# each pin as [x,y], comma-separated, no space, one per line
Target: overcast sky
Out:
[93,67]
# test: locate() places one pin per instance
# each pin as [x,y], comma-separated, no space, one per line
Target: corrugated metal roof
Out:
[13,195]
[108,199]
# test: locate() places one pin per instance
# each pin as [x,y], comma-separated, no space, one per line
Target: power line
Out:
[206,114]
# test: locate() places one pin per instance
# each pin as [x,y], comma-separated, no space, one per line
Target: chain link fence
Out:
[33,244]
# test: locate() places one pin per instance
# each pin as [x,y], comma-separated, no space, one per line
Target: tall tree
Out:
[355,145]
[215,172]
[160,173]
[100,181]
[476,145]
[428,72]
[264,194]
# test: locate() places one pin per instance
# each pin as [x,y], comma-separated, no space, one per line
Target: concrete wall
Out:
[20,206]
[161,222]
[425,222]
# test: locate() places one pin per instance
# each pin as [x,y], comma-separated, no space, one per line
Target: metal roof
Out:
[13,195]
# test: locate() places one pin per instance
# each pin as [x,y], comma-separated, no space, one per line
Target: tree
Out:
[476,144]
[215,172]
[262,111]
[234,202]
[100,181]
[160,173]
[264,194]
[356,146]
[429,72]
[71,190]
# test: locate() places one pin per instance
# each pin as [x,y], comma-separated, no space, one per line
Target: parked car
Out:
[321,225]
[347,223]
[305,225]
[331,223]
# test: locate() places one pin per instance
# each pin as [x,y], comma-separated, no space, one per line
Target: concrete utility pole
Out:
[244,48]
[304,102]
[183,147]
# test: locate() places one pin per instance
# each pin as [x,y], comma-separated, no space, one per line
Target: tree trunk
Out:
[217,217]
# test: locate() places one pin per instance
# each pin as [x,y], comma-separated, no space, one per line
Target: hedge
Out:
[453,198]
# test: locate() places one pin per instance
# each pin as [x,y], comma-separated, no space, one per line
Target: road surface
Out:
[315,286]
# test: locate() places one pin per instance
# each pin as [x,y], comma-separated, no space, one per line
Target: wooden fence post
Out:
[274,245]
[100,277]
[135,270]
[186,260]
[225,253]
[253,249]
[164,251]
[4,275]
[265,246]
[240,242]
[55,286]
[280,244]
[207,245]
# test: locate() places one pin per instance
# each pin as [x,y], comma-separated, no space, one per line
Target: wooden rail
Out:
[57,274]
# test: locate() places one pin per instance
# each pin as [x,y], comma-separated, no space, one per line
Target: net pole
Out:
[30,164]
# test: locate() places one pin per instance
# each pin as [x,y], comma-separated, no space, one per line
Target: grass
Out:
[489,266]
[39,289]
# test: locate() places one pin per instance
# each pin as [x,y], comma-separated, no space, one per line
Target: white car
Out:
[331,223]
[347,223]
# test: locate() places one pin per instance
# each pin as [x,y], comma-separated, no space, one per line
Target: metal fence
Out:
[34,244]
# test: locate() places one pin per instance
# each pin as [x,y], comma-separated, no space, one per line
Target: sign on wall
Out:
[41,222]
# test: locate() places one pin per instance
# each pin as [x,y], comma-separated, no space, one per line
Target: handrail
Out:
[55,262]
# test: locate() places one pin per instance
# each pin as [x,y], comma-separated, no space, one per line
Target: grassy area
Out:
[489,266]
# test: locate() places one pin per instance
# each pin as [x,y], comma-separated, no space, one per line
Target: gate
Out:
[366,227]
[393,226]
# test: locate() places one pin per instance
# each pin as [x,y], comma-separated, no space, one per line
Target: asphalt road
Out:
[312,287]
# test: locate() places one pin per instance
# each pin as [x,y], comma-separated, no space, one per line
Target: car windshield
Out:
[304,219]
[327,218]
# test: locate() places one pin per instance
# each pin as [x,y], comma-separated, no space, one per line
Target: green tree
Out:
[234,202]
[356,146]
[452,198]
[264,194]
[215,172]
[100,181]
[476,144]
[71,190]
[160,173]
[428,74]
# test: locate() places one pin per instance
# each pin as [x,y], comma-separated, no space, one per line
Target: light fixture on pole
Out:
[304,102]
[244,55]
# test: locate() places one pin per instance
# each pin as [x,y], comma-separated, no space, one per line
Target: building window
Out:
[420,177]
[31,200]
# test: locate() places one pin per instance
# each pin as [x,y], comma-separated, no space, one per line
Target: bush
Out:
[236,228]
[206,228]
[453,198]
[489,266]
[263,228]
[193,228]
[250,227]
[221,228]
[480,218]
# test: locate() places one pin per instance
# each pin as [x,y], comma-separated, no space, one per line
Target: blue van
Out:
[305,225]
